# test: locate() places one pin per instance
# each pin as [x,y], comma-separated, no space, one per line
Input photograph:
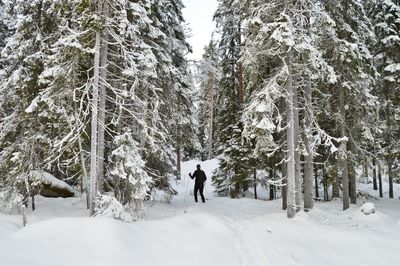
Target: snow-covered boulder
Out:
[50,186]
[368,208]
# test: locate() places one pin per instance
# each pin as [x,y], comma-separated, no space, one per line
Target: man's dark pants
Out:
[198,187]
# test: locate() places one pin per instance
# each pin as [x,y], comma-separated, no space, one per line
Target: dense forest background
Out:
[291,94]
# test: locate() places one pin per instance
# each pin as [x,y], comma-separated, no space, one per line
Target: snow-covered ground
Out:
[220,232]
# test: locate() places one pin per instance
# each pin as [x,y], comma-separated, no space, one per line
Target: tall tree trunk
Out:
[284,186]
[95,104]
[85,174]
[325,178]
[241,84]
[380,180]
[366,174]
[271,186]
[389,139]
[309,161]
[335,177]
[352,184]
[102,106]
[255,183]
[240,70]
[375,184]
[316,183]
[290,135]
[178,150]
[343,151]
[297,148]
[210,115]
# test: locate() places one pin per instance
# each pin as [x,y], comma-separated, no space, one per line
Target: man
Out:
[200,178]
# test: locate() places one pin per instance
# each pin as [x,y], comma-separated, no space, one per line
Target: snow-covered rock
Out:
[51,186]
[368,208]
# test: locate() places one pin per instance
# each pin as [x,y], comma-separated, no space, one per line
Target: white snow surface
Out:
[220,232]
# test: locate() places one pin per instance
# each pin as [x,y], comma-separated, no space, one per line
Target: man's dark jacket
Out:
[200,177]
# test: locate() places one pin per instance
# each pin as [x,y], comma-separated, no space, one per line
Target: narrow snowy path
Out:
[220,232]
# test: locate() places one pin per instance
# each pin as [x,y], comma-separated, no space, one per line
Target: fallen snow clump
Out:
[368,208]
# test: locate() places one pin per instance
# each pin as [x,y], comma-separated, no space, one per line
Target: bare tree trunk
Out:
[297,148]
[33,202]
[316,183]
[390,175]
[93,146]
[325,177]
[102,105]
[352,184]
[389,139]
[210,115]
[178,159]
[24,216]
[284,186]
[335,185]
[240,70]
[241,84]
[374,181]
[366,174]
[255,183]
[290,135]
[85,174]
[380,180]
[343,151]
[309,161]
[271,186]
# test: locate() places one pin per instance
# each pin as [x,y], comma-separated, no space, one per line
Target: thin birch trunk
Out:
[94,129]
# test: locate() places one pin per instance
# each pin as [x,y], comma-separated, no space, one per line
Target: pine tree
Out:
[208,78]
[386,50]
[235,156]
[352,62]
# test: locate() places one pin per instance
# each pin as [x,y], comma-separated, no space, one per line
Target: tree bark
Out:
[309,161]
[94,128]
[343,151]
[389,139]
[102,107]
[352,184]
[210,115]
[380,181]
[375,184]
[290,131]
[297,148]
[284,186]
[325,178]
[255,183]
[271,186]
[335,185]
[316,184]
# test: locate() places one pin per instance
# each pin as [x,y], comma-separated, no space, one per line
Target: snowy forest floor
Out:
[223,231]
